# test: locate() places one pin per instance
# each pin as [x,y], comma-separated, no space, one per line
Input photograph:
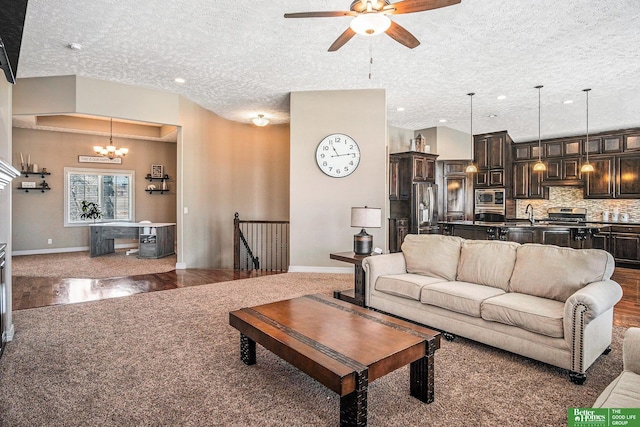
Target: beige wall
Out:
[399,139]
[320,205]
[227,167]
[57,150]
[447,143]
[5,201]
[222,166]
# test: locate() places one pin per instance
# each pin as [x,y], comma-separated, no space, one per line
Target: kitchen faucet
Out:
[526,211]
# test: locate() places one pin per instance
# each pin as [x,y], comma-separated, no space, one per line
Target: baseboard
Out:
[64,250]
[181,266]
[311,269]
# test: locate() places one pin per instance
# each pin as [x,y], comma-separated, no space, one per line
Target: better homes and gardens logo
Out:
[603,417]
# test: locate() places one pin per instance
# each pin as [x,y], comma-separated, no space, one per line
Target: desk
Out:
[157,243]
[355,295]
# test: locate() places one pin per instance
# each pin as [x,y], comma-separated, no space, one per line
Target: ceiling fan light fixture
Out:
[261,120]
[370,24]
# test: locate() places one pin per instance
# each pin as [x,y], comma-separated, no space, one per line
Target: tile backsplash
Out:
[572,197]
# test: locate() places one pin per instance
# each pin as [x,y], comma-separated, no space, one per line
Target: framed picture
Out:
[157,171]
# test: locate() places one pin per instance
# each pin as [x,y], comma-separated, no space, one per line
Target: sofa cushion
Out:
[487,262]
[432,255]
[461,297]
[553,272]
[623,392]
[535,314]
[404,285]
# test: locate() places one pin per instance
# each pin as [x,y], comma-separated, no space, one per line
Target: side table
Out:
[355,295]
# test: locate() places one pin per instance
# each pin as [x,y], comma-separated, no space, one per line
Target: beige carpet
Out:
[170,359]
[80,265]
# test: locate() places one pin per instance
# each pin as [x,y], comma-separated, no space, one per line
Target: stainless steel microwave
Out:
[489,198]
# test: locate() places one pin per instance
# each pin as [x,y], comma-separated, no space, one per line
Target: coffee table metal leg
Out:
[422,377]
[247,350]
[353,406]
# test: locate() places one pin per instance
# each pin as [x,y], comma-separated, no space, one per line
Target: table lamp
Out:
[364,217]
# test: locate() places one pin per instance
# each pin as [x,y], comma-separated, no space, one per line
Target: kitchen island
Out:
[579,235]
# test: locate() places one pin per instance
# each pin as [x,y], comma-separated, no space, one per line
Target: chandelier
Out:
[110,151]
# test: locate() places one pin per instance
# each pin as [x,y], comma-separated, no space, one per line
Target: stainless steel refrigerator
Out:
[424,208]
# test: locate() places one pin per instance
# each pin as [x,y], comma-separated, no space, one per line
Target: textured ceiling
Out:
[240,58]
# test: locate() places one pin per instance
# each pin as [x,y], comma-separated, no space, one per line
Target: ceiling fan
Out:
[370,18]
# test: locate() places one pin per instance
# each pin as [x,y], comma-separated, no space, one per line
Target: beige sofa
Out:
[624,391]
[545,302]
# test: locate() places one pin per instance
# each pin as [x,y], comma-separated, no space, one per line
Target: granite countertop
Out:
[526,223]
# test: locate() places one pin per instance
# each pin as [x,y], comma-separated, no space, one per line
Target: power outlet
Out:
[50,241]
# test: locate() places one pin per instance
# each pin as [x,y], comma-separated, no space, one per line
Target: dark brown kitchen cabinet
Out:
[492,154]
[527,183]
[614,177]
[628,177]
[490,151]
[398,230]
[394,182]
[600,182]
[518,234]
[455,191]
[624,244]
[632,143]
[424,168]
[561,169]
[558,237]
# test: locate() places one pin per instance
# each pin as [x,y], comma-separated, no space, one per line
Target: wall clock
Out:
[338,155]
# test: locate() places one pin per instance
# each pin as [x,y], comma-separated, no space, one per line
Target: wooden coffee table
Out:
[343,346]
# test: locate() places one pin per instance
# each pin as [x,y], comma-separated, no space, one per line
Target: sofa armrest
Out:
[380,265]
[631,350]
[592,300]
[580,309]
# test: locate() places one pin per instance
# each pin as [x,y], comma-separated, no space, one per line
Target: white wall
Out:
[5,200]
[320,210]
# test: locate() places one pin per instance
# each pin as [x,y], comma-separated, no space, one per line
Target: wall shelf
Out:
[42,174]
[161,191]
[164,178]
[42,189]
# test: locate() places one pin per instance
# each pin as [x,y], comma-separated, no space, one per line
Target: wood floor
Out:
[30,292]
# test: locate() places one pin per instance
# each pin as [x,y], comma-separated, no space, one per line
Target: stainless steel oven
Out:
[489,204]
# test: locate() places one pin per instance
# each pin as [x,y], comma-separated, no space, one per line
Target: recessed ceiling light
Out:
[400,109]
[443,120]
[179,80]
[568,101]
[75,46]
[493,115]
[501,97]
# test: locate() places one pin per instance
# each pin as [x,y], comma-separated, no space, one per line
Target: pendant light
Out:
[587,167]
[110,151]
[539,166]
[472,167]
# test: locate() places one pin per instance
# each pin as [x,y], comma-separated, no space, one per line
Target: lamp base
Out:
[362,243]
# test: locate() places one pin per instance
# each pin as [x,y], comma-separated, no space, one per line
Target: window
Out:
[112,190]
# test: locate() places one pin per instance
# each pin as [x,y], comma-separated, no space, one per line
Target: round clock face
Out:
[338,155]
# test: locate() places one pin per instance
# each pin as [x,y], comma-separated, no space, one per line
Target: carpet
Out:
[80,265]
[170,358]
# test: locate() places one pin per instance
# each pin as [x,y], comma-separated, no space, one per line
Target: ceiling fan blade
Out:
[402,36]
[340,41]
[411,6]
[320,14]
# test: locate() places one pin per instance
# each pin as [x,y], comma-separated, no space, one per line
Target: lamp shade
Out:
[366,217]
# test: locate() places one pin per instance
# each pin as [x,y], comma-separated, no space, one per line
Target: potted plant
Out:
[90,210]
